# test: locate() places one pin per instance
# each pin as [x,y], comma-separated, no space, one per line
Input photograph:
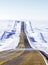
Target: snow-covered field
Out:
[37,34]
[9,34]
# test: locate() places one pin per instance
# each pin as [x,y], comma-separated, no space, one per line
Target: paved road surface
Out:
[21,58]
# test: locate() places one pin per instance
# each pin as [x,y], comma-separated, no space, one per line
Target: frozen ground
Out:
[9,34]
[37,34]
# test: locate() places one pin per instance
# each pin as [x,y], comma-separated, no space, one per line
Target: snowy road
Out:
[37,35]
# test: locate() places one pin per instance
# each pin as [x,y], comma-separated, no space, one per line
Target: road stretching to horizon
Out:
[22,57]
[23,54]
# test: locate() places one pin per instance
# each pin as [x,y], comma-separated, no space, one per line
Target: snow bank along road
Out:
[9,34]
[37,36]
[10,37]
[10,30]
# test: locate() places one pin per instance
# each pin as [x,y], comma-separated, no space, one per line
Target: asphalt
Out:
[22,57]
[26,58]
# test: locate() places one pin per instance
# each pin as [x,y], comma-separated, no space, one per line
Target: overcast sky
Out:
[24,9]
